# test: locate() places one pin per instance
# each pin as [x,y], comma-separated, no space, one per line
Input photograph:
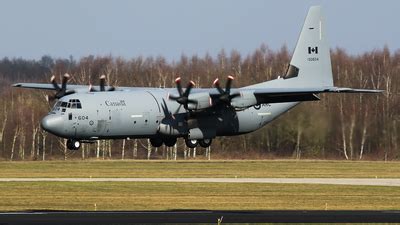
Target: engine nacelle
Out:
[197,133]
[171,129]
[203,100]
[246,99]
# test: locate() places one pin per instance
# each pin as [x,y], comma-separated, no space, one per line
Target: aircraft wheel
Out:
[169,142]
[69,144]
[156,142]
[205,143]
[73,144]
[191,143]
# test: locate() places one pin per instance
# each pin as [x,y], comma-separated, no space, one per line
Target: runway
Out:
[197,216]
[332,181]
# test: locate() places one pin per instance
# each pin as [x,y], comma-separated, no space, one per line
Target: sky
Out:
[170,28]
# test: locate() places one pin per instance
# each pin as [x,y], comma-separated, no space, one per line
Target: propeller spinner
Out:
[60,91]
[102,85]
[183,97]
[225,95]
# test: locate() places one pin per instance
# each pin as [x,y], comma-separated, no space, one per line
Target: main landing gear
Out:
[73,144]
[171,141]
[158,142]
[205,143]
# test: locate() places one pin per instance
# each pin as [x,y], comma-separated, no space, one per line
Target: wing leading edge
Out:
[44,86]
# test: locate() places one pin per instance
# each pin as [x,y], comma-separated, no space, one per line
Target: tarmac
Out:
[196,216]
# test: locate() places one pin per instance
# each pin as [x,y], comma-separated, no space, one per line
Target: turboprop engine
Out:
[246,99]
[199,101]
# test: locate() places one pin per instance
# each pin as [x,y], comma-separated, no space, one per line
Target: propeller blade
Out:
[192,101]
[55,85]
[173,97]
[102,83]
[50,98]
[179,86]
[64,82]
[234,95]
[177,111]
[216,85]
[188,88]
[229,84]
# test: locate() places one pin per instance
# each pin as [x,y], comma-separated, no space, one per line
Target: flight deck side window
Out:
[56,106]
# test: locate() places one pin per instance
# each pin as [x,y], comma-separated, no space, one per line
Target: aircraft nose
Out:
[52,123]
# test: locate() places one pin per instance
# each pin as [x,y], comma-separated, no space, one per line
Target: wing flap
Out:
[286,98]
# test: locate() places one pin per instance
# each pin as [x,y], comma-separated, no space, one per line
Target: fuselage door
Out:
[103,121]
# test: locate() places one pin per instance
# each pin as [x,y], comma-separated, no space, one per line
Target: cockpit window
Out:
[72,103]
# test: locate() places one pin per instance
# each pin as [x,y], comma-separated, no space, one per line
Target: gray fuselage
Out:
[139,114]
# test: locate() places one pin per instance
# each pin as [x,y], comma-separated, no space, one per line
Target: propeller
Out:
[102,85]
[225,95]
[60,91]
[183,97]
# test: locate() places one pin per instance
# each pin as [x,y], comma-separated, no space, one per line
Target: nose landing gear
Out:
[73,144]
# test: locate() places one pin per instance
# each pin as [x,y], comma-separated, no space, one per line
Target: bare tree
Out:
[14,140]
[5,117]
[123,149]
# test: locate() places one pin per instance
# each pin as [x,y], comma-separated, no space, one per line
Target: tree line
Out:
[340,126]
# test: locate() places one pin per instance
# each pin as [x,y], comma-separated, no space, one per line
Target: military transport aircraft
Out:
[85,113]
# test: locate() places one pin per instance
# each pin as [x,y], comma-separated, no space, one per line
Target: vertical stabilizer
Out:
[311,62]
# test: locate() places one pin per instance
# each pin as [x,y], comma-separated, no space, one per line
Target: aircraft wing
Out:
[45,86]
[74,87]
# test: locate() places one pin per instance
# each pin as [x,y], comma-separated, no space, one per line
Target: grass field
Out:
[162,196]
[250,169]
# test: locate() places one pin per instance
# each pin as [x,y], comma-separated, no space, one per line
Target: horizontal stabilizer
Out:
[352,90]
[275,95]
